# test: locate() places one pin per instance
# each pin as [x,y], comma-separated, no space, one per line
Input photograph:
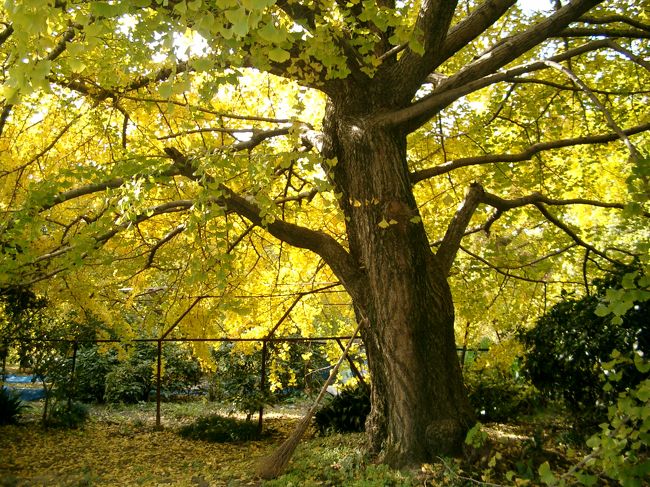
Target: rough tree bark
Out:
[419,406]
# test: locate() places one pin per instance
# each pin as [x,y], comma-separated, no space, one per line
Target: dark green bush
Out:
[91,370]
[220,429]
[237,380]
[499,395]
[64,414]
[346,412]
[11,407]
[182,371]
[131,381]
[567,346]
[134,379]
[102,377]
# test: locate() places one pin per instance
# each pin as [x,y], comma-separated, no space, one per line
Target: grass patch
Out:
[338,459]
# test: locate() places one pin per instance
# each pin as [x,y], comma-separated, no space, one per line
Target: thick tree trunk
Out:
[419,405]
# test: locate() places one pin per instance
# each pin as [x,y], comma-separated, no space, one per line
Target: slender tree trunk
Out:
[419,405]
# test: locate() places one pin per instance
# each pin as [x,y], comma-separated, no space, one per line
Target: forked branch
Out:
[476,195]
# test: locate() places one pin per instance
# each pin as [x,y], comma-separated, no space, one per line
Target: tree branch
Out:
[456,229]
[565,87]
[539,201]
[480,73]
[152,253]
[431,27]
[573,235]
[477,22]
[616,33]
[634,153]
[629,54]
[610,19]
[98,93]
[59,48]
[503,272]
[5,34]
[339,260]
[522,156]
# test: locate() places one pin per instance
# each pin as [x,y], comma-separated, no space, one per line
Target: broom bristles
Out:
[273,465]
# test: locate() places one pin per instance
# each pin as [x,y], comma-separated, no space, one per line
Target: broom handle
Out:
[335,370]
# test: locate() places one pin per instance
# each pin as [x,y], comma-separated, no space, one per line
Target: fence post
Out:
[158,385]
[71,390]
[260,420]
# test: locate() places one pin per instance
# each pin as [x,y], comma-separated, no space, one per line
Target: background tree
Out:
[203,152]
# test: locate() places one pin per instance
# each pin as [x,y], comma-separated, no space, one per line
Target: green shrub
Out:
[91,370]
[346,412]
[289,373]
[11,407]
[220,429]
[237,380]
[182,371]
[134,380]
[64,414]
[568,344]
[621,450]
[499,395]
[129,382]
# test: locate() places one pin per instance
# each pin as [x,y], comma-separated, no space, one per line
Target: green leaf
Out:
[641,364]
[181,8]
[383,223]
[602,310]
[257,4]
[239,21]
[628,281]
[279,55]
[166,89]
[585,479]
[546,474]
[194,5]
[269,32]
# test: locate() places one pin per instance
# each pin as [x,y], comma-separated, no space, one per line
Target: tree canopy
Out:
[207,165]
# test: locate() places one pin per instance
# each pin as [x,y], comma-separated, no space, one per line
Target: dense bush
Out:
[133,379]
[289,367]
[66,414]
[346,412]
[102,377]
[182,371]
[129,382]
[237,380]
[91,370]
[621,449]
[11,407]
[499,395]
[568,345]
[220,429]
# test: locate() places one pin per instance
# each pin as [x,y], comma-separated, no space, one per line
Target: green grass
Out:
[338,460]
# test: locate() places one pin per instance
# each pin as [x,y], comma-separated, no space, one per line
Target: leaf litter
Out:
[122,447]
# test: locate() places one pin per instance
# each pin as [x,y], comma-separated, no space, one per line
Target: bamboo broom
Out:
[272,466]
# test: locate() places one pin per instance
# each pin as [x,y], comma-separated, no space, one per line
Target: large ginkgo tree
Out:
[162,161]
